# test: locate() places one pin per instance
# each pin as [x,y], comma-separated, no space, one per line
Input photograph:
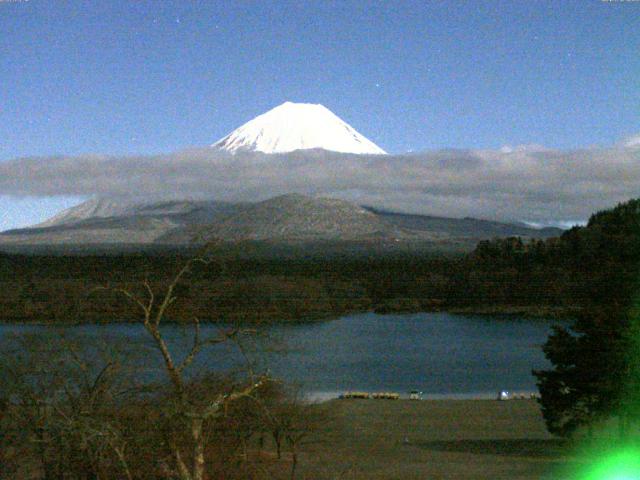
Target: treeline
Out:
[231,287]
[553,277]
[594,265]
[594,360]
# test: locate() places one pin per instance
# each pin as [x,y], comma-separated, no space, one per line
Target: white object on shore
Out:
[503,395]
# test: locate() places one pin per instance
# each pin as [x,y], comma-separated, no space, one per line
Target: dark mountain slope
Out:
[285,218]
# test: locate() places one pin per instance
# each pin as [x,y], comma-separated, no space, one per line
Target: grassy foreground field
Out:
[434,439]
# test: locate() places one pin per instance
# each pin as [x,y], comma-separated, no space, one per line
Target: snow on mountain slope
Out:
[297,126]
[92,208]
[178,210]
[633,142]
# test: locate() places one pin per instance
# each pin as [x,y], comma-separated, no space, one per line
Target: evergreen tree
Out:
[596,361]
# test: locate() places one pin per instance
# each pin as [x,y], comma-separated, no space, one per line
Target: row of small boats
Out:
[375,396]
[415,395]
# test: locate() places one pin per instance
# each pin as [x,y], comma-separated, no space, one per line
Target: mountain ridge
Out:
[284,218]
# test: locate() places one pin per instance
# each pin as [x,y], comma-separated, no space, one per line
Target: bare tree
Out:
[290,420]
[82,415]
[191,412]
[63,403]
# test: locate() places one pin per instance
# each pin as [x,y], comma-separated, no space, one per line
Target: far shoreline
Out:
[324,397]
[527,312]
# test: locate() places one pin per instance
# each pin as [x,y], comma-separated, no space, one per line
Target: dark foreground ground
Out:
[439,439]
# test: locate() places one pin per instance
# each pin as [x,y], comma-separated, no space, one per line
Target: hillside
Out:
[286,218]
[297,217]
[595,266]
[112,222]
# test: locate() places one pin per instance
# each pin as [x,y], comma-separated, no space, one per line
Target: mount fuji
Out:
[288,217]
[297,126]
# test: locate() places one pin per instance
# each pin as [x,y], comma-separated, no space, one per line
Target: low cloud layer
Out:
[527,184]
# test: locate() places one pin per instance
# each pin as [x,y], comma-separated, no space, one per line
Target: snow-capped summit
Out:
[632,142]
[297,126]
[525,148]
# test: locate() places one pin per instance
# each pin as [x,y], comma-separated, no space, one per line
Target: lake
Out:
[440,354]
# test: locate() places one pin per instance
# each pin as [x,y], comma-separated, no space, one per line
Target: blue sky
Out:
[138,77]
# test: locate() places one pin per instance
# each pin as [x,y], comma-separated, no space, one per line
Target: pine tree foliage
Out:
[595,359]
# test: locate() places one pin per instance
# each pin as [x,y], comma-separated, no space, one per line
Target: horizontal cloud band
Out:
[535,185]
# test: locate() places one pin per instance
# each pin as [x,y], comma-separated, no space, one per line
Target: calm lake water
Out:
[440,354]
